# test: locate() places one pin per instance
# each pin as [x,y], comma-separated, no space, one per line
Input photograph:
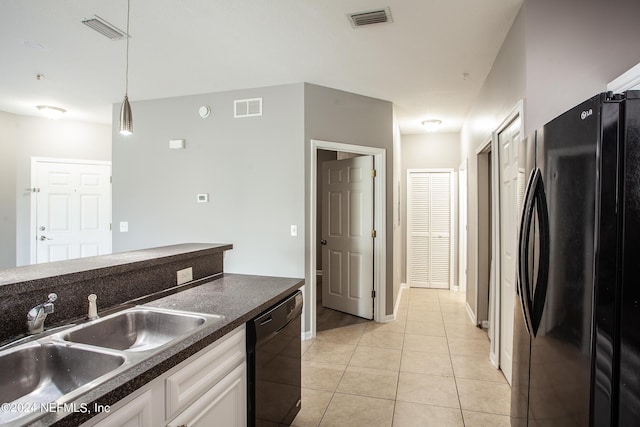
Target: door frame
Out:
[463,204]
[379,223]
[452,228]
[33,200]
[495,314]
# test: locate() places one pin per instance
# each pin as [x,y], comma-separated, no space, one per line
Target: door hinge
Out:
[373,234]
[373,294]
[34,190]
[110,227]
[110,180]
[373,173]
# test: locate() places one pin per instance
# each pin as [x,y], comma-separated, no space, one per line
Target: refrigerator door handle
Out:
[542,280]
[523,285]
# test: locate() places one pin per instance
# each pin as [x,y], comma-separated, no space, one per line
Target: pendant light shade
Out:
[126,118]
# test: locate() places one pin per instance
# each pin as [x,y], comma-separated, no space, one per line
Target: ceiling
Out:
[430,61]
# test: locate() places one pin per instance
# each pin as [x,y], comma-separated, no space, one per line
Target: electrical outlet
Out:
[184,275]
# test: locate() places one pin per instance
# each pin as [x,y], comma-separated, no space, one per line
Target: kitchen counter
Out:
[238,298]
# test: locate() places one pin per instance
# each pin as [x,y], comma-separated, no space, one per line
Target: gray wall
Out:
[556,55]
[8,128]
[503,88]
[251,168]
[323,156]
[574,48]
[429,151]
[337,116]
[24,137]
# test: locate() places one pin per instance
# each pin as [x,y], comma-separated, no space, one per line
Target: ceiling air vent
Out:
[379,16]
[247,107]
[104,28]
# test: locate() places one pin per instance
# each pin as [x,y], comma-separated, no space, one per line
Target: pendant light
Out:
[126,118]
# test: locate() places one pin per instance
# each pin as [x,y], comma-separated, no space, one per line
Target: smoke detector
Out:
[378,16]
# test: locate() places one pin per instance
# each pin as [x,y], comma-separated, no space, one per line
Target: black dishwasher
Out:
[273,364]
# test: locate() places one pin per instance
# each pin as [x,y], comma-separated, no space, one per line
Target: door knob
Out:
[323,242]
[42,228]
[43,238]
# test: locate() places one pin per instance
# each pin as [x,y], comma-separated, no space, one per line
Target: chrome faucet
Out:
[36,316]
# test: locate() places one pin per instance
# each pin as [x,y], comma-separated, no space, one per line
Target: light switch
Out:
[124,227]
[294,230]
[176,144]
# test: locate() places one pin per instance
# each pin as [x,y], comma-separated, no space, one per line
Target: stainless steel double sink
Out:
[61,367]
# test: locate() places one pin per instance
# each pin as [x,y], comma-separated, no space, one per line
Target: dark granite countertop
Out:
[29,277]
[238,298]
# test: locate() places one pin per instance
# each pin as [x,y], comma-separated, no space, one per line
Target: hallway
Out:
[428,368]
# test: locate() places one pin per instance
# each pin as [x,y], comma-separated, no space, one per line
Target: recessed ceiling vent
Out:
[104,28]
[247,107]
[360,19]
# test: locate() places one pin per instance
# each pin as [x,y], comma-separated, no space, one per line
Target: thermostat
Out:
[203,198]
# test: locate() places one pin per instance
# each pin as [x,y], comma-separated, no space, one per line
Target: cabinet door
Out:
[193,380]
[136,413]
[223,405]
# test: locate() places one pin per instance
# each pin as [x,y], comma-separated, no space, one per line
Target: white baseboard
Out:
[471,314]
[494,362]
[455,288]
[392,317]
[306,336]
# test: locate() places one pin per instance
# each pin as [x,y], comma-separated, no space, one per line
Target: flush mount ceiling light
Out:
[51,112]
[126,117]
[431,125]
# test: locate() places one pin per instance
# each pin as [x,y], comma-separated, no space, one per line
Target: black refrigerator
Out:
[576,346]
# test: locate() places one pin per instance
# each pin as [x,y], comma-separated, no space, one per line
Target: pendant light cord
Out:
[126,76]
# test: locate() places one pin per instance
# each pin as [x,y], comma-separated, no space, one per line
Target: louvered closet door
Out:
[429,229]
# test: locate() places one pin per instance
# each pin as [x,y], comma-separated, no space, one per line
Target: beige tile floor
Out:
[430,367]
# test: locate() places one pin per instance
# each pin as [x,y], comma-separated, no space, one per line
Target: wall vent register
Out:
[247,107]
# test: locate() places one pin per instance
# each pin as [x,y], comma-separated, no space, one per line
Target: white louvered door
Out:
[429,229]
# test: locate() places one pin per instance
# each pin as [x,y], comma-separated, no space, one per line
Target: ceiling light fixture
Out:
[50,112]
[126,117]
[431,125]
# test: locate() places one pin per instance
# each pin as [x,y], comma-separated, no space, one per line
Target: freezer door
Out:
[560,370]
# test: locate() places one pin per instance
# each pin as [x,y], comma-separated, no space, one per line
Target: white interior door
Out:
[429,232]
[510,202]
[347,225]
[72,209]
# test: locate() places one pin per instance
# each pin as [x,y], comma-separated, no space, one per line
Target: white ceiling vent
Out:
[247,107]
[379,16]
[104,28]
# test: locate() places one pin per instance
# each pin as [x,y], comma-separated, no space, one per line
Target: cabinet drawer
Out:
[223,405]
[189,383]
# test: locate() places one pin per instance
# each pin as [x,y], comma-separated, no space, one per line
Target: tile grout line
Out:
[455,379]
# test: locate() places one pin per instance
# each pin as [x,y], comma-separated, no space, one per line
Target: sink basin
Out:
[41,373]
[138,329]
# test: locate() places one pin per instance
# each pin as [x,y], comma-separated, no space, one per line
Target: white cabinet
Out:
[209,388]
[223,405]
[135,413]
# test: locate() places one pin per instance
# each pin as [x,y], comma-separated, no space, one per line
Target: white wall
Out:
[24,137]
[252,169]
[428,151]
